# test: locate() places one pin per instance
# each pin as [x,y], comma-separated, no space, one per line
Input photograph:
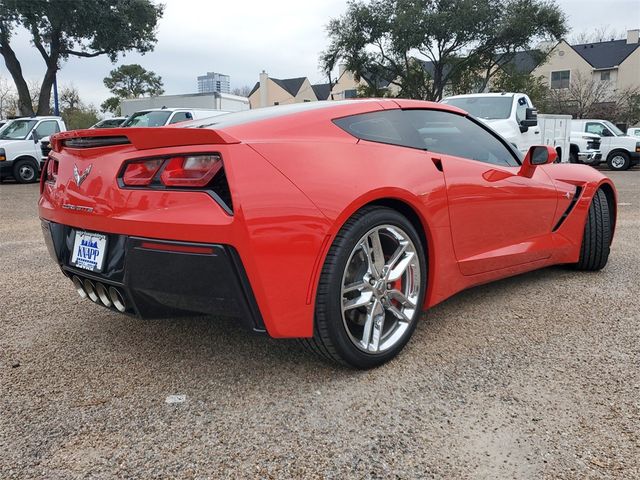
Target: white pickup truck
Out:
[159,117]
[620,151]
[514,117]
[21,151]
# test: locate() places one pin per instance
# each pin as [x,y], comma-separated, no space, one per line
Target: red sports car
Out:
[333,222]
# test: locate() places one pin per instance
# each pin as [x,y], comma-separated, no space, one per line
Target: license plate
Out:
[89,250]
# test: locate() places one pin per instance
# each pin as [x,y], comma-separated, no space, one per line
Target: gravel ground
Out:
[532,377]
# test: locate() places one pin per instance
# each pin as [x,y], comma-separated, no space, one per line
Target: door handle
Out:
[437,162]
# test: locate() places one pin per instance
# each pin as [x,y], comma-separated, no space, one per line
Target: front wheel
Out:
[619,161]
[596,240]
[371,290]
[24,171]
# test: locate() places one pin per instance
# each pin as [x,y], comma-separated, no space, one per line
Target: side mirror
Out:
[35,137]
[530,120]
[537,155]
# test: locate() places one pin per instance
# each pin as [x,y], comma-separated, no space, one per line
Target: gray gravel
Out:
[532,377]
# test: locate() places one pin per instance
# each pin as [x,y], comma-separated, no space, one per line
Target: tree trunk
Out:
[44,101]
[25,106]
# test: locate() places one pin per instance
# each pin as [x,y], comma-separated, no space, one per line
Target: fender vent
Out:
[564,216]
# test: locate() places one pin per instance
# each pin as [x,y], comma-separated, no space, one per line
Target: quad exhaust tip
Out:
[117,299]
[90,288]
[100,293]
[79,288]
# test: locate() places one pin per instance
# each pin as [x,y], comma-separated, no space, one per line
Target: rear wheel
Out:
[596,241]
[24,171]
[619,161]
[371,290]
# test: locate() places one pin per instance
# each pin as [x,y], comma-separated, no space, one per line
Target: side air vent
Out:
[574,200]
[220,187]
[95,142]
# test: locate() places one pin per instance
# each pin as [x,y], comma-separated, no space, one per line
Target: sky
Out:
[240,38]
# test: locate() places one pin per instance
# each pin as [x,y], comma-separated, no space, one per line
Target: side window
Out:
[598,129]
[46,128]
[382,127]
[180,117]
[521,109]
[453,134]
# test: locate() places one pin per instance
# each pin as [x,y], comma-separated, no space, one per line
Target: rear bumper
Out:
[159,278]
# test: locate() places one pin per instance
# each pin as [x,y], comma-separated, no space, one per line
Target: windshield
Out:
[490,108]
[17,130]
[147,119]
[616,131]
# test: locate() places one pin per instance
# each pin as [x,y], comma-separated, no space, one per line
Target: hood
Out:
[9,143]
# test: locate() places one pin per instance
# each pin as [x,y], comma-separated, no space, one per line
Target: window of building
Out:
[353,93]
[605,76]
[560,79]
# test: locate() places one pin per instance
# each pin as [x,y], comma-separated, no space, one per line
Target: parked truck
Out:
[21,148]
[208,101]
[619,150]
[514,117]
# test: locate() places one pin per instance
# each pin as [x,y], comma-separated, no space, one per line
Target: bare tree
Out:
[243,91]
[8,98]
[603,33]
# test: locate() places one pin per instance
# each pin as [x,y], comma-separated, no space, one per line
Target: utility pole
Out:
[56,106]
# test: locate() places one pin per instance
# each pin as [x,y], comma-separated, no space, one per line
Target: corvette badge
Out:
[80,177]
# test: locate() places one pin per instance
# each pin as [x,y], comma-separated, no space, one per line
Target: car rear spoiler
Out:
[140,138]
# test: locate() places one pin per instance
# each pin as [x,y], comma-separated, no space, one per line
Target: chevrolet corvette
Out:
[337,223]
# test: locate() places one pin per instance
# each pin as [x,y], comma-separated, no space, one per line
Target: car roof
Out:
[328,108]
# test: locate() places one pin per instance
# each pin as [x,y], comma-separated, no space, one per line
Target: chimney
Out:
[264,89]
[633,36]
[341,68]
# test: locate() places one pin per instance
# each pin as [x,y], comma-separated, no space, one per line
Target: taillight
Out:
[141,173]
[190,171]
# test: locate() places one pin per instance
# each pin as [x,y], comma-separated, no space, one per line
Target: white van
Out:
[159,117]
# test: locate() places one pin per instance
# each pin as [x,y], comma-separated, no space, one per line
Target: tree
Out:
[78,28]
[509,80]
[130,81]
[242,91]
[7,98]
[424,45]
[73,111]
[602,33]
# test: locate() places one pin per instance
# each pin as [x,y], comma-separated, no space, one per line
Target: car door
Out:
[499,219]
[606,136]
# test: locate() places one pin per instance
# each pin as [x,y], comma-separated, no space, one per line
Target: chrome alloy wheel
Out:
[618,161]
[380,289]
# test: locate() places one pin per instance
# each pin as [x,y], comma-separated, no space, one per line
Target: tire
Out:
[596,241]
[573,157]
[24,171]
[367,308]
[619,161]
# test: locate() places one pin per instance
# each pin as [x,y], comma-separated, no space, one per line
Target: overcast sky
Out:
[242,37]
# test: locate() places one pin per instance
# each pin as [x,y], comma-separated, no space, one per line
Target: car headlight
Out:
[638,147]
[3,155]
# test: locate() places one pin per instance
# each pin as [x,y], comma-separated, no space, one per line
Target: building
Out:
[616,62]
[214,82]
[283,91]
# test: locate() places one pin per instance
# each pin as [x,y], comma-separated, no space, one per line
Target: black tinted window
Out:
[432,130]
[384,126]
[453,134]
